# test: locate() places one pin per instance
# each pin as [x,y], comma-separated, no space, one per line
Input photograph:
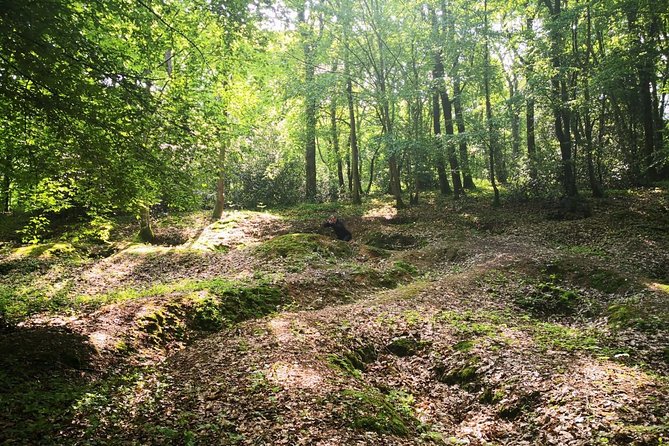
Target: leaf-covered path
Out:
[465,326]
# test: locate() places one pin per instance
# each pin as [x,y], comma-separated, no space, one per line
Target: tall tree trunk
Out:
[334,135]
[438,79]
[6,184]
[514,116]
[492,138]
[450,145]
[353,139]
[219,206]
[309,104]
[371,169]
[145,231]
[588,123]
[529,118]
[468,181]
[560,93]
[531,139]
[444,186]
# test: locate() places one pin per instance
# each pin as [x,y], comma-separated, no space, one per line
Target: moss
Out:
[608,281]
[547,298]
[555,336]
[399,272]
[464,346]
[405,346]
[371,410]
[392,241]
[206,315]
[491,396]
[164,325]
[635,315]
[465,375]
[354,361]
[301,246]
[346,364]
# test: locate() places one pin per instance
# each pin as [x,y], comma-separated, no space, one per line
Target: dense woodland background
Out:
[122,106]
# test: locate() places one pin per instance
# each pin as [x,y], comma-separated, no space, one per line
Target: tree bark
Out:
[145,231]
[334,135]
[7,184]
[219,206]
[560,93]
[450,146]
[353,139]
[468,181]
[492,139]
[309,105]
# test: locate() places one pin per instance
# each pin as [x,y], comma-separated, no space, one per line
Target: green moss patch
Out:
[465,375]
[300,246]
[406,346]
[548,298]
[637,315]
[399,272]
[393,241]
[371,410]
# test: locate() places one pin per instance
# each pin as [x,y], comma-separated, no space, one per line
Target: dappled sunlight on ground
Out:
[236,228]
[385,211]
[294,375]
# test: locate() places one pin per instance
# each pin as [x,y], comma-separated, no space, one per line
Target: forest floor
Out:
[445,323]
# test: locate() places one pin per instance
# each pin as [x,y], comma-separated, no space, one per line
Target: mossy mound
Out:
[373,411]
[301,246]
[406,346]
[399,272]
[548,299]
[637,315]
[229,302]
[465,375]
[393,241]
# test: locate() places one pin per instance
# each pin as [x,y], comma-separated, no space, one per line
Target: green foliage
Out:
[35,230]
[348,363]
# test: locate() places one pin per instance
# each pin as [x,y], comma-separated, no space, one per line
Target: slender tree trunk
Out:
[529,119]
[460,122]
[145,231]
[492,138]
[560,91]
[531,139]
[7,184]
[450,146]
[309,104]
[437,80]
[514,116]
[588,123]
[444,186]
[219,206]
[334,135]
[355,170]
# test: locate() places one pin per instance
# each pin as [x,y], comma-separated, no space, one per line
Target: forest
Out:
[496,174]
